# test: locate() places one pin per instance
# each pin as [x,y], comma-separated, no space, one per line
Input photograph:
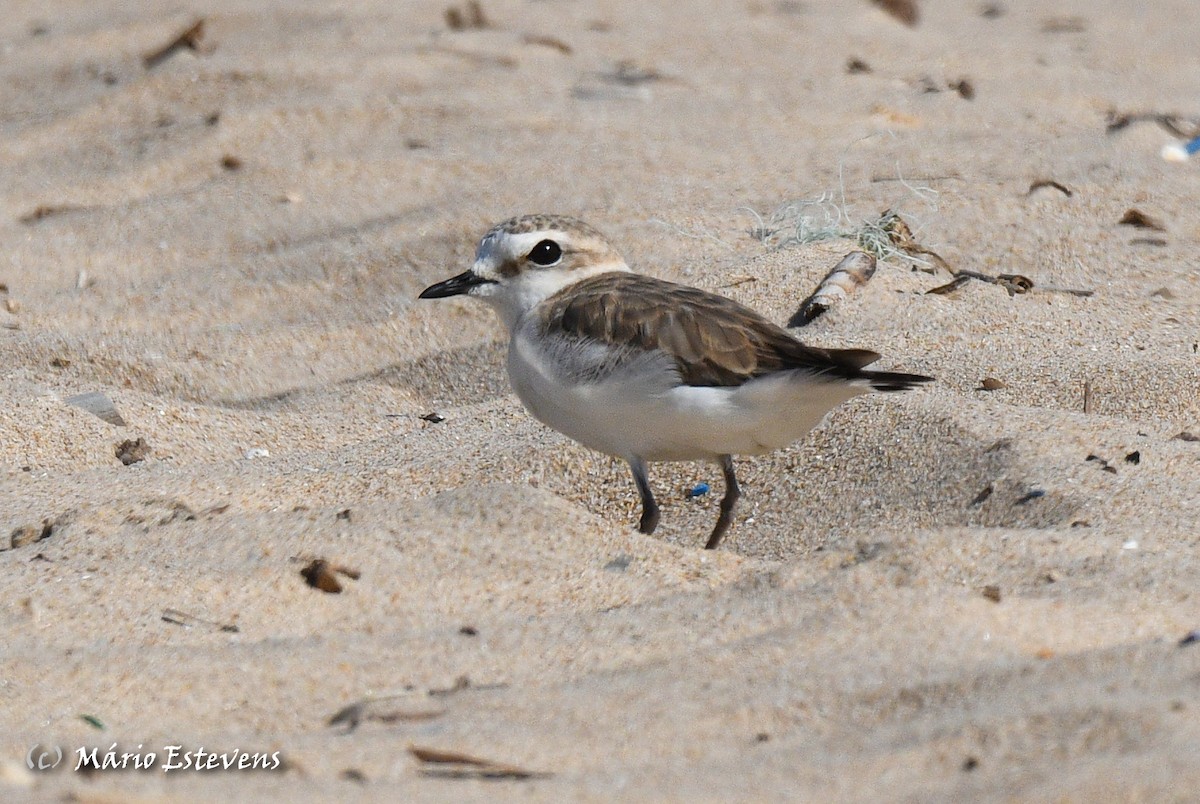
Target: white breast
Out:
[629,403]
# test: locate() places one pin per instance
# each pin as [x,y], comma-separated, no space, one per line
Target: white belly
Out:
[634,405]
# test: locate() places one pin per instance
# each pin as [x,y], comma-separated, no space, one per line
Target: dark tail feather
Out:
[894,380]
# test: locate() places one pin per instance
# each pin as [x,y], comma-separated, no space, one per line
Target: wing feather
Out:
[714,340]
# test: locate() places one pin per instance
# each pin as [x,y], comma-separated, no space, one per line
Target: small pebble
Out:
[1130,545]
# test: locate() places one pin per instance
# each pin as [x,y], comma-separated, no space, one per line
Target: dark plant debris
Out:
[982,496]
[964,88]
[469,17]
[1032,494]
[456,765]
[991,384]
[132,451]
[1040,184]
[1013,283]
[43,211]
[548,41]
[322,574]
[1180,125]
[991,592]
[28,534]
[177,617]
[904,10]
[1134,457]
[1135,217]
[187,39]
[432,418]
[381,710]
[856,66]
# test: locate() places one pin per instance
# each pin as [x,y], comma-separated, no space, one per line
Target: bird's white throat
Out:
[513,297]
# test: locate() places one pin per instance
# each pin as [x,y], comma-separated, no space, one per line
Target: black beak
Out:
[454,286]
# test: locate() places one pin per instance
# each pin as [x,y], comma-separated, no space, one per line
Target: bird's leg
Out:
[732,492]
[649,507]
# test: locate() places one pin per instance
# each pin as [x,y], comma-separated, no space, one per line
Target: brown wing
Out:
[714,340]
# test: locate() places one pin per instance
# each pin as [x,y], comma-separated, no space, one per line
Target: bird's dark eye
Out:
[546,252]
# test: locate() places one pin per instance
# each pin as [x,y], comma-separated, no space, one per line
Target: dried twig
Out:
[381,710]
[455,765]
[177,617]
[1041,183]
[1179,125]
[1013,283]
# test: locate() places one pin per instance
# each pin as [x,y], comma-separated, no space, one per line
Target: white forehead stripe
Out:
[498,246]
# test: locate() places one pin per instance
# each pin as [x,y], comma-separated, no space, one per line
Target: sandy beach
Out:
[213,238]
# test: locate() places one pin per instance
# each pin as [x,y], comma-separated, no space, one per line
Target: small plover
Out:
[648,370]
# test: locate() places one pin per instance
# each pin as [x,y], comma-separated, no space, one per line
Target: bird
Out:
[648,370]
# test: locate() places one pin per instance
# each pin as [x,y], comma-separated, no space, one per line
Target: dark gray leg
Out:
[732,492]
[649,506]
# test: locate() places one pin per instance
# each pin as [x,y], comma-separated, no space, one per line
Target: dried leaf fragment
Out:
[1135,217]
[322,574]
[456,765]
[187,39]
